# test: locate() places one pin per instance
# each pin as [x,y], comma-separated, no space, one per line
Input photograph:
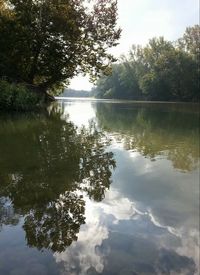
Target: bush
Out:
[17,97]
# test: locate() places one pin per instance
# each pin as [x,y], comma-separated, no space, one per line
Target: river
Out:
[100,187]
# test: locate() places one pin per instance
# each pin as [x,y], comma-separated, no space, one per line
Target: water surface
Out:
[93,187]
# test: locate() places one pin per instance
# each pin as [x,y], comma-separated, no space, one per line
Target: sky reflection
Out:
[117,232]
[140,218]
[148,222]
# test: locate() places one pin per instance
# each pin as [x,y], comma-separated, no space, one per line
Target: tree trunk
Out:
[41,91]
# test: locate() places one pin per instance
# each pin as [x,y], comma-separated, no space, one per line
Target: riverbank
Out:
[22,97]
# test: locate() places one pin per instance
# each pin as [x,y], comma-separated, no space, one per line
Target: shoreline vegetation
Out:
[22,97]
[54,42]
[44,44]
[160,71]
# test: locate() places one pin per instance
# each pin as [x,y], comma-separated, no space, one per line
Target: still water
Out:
[93,187]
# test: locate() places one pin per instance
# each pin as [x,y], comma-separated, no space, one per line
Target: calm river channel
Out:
[100,187]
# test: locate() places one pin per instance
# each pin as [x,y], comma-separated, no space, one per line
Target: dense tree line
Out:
[162,70]
[75,93]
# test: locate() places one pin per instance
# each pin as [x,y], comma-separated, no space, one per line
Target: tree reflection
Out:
[56,224]
[7,213]
[47,165]
[155,131]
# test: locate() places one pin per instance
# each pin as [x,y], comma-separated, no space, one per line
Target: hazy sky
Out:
[141,20]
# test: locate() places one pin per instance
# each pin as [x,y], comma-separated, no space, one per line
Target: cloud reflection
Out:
[117,232]
[83,254]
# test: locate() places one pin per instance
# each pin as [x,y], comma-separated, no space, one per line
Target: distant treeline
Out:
[75,93]
[162,70]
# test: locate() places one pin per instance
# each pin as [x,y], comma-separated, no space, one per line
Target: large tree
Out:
[190,41]
[47,42]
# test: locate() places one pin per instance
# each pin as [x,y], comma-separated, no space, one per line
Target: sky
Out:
[141,20]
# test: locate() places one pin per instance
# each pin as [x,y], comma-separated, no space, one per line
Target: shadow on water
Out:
[160,130]
[47,167]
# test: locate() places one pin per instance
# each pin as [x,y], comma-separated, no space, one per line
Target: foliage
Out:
[75,93]
[190,41]
[161,70]
[47,42]
[17,97]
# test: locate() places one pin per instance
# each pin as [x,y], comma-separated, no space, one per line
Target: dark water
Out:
[117,196]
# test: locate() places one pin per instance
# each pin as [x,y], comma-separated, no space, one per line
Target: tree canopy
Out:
[47,42]
[161,70]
